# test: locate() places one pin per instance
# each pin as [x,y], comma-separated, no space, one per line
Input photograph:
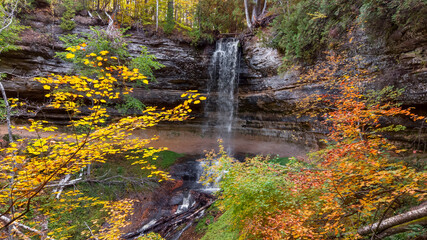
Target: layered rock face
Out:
[186,68]
[266,99]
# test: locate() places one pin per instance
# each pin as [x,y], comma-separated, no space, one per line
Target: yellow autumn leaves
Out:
[193,96]
[70,55]
[101,89]
[74,49]
[42,161]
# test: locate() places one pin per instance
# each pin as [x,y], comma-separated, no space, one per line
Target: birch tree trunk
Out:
[157,15]
[264,8]
[248,20]
[6,103]
[254,15]
[6,23]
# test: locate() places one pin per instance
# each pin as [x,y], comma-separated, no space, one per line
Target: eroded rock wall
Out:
[266,99]
[186,67]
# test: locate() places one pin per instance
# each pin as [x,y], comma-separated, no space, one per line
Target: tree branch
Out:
[25,227]
[11,16]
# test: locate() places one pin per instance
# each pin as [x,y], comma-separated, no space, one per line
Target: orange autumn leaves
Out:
[353,181]
[361,173]
[364,176]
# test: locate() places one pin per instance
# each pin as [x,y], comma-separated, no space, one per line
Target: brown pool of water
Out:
[187,141]
[193,142]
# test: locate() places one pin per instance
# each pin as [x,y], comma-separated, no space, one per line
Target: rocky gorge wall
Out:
[266,99]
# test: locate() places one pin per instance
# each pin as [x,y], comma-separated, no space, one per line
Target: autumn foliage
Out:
[33,167]
[355,180]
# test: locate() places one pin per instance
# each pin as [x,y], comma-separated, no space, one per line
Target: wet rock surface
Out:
[266,99]
[185,66]
[175,204]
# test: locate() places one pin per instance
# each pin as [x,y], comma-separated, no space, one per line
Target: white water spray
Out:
[222,89]
[222,102]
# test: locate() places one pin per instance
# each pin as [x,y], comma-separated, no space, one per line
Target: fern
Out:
[146,62]
[130,105]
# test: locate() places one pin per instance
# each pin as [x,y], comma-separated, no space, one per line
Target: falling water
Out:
[222,89]
[221,104]
[185,204]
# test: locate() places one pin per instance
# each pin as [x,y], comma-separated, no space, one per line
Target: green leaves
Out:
[219,16]
[131,105]
[146,62]
[10,34]
[67,22]
[170,21]
[96,41]
[256,191]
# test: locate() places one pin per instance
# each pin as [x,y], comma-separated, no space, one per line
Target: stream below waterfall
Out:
[175,207]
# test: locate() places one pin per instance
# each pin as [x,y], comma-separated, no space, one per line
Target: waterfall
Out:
[222,87]
[222,103]
[220,109]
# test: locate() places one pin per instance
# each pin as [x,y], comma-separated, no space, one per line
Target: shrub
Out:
[170,21]
[310,26]
[67,22]
[113,42]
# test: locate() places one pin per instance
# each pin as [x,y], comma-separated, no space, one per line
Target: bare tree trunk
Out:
[62,183]
[105,6]
[248,21]
[264,8]
[88,170]
[157,15]
[10,15]
[399,229]
[110,28]
[378,227]
[6,103]
[6,23]
[254,15]
[176,11]
[25,227]
[9,130]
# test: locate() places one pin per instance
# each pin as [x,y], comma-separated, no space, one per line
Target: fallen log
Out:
[401,228]
[401,219]
[61,185]
[105,181]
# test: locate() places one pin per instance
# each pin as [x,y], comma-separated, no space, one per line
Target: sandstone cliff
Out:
[266,98]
